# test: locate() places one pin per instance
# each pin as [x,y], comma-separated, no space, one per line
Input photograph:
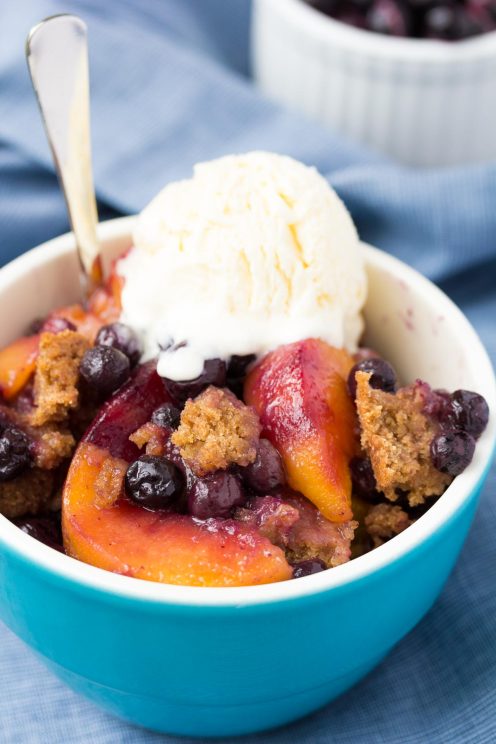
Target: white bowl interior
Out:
[410,325]
[411,322]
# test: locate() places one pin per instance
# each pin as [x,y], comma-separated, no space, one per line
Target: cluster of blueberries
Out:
[165,482]
[462,417]
[104,368]
[107,365]
[157,482]
[15,451]
[445,20]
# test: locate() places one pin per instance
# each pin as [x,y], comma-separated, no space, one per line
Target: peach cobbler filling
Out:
[256,471]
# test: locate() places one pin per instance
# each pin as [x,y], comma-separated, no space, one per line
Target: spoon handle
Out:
[57,56]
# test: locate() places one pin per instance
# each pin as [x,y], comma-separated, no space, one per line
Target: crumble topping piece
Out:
[271,516]
[385,521]
[28,493]
[109,483]
[397,435]
[217,430]
[152,437]
[52,446]
[313,536]
[295,525]
[57,375]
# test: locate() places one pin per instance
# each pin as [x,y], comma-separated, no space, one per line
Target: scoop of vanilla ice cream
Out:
[253,252]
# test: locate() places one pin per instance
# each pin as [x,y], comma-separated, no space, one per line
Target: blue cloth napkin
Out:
[170,86]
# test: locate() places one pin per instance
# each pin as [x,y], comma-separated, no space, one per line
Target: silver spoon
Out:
[57,57]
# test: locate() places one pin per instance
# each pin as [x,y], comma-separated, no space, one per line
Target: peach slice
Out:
[17,365]
[299,392]
[157,546]
[104,306]
[18,360]
[88,324]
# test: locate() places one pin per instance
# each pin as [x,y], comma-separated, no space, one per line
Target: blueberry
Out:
[441,22]
[420,5]
[447,20]
[467,411]
[35,327]
[388,17]
[57,325]
[308,567]
[383,376]
[15,456]
[44,529]
[452,451]
[473,19]
[167,416]
[361,4]
[214,373]
[328,7]
[363,479]
[436,403]
[104,369]
[153,482]
[215,495]
[172,453]
[351,15]
[239,364]
[122,337]
[236,373]
[267,472]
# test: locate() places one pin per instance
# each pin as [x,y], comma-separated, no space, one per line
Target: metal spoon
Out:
[57,57]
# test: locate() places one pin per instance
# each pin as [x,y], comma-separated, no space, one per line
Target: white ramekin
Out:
[425,103]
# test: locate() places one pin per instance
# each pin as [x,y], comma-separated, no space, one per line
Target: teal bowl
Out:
[220,662]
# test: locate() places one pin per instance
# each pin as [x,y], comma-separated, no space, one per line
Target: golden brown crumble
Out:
[28,493]
[52,446]
[151,436]
[333,549]
[313,536]
[396,435]
[109,483]
[272,517]
[278,525]
[57,376]
[385,521]
[296,526]
[217,430]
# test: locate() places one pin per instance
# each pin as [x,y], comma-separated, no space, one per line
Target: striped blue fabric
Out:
[170,86]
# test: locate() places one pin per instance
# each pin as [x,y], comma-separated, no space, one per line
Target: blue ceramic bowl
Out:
[217,662]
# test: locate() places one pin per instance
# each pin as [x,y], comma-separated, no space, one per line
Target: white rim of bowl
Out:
[423,51]
[84,576]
